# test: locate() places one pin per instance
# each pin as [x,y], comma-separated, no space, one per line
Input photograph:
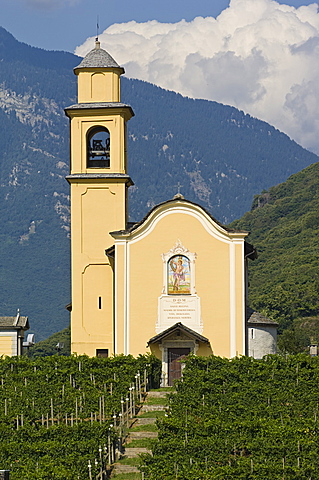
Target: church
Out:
[172,284]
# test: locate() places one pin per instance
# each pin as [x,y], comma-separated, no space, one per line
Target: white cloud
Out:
[258,55]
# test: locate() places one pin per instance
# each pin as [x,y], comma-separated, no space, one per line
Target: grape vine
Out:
[58,413]
[243,419]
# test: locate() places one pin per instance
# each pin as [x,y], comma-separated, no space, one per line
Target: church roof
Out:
[257,318]
[14,322]
[250,250]
[174,328]
[176,200]
[98,58]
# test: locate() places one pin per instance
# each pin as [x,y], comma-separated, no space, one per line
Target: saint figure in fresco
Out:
[178,272]
[178,275]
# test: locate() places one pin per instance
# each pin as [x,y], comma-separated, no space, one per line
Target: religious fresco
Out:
[179,277]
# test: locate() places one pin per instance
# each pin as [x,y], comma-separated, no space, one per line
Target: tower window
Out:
[98,151]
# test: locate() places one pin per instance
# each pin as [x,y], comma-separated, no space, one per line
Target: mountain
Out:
[284,226]
[219,155]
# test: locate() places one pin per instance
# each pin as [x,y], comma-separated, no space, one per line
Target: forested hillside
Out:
[219,155]
[284,226]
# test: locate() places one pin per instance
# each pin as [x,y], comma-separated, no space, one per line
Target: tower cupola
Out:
[98,120]
[98,77]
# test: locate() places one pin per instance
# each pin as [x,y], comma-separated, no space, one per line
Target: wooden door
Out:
[175,357]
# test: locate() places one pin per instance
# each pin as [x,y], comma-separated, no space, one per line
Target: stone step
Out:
[145,421]
[153,408]
[135,452]
[122,468]
[157,394]
[134,435]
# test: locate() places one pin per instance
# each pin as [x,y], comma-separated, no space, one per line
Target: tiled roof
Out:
[11,322]
[84,106]
[98,58]
[258,318]
[174,328]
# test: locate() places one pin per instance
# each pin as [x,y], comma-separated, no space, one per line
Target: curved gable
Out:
[183,207]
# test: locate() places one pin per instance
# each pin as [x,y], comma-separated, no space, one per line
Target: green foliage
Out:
[56,411]
[298,337]
[240,418]
[48,346]
[284,280]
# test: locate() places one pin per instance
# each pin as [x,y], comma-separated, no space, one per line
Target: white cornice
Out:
[212,227]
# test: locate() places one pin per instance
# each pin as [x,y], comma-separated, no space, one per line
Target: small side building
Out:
[262,335]
[12,334]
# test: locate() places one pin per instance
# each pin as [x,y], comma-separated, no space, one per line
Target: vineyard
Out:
[241,418]
[62,418]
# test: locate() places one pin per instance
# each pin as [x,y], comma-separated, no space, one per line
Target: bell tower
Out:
[99,183]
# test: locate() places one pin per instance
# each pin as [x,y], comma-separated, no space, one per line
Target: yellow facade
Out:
[12,331]
[173,283]
[219,271]
[8,344]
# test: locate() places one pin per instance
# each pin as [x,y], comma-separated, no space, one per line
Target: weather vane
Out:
[97,28]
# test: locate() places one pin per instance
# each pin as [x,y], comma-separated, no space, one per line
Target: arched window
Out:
[179,275]
[98,148]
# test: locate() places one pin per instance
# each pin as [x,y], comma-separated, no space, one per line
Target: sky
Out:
[261,56]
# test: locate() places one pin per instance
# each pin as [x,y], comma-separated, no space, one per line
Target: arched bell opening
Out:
[98,148]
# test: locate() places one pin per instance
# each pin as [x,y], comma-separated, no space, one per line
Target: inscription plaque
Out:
[183,309]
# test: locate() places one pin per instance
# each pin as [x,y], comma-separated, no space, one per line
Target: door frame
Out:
[165,346]
[175,374]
